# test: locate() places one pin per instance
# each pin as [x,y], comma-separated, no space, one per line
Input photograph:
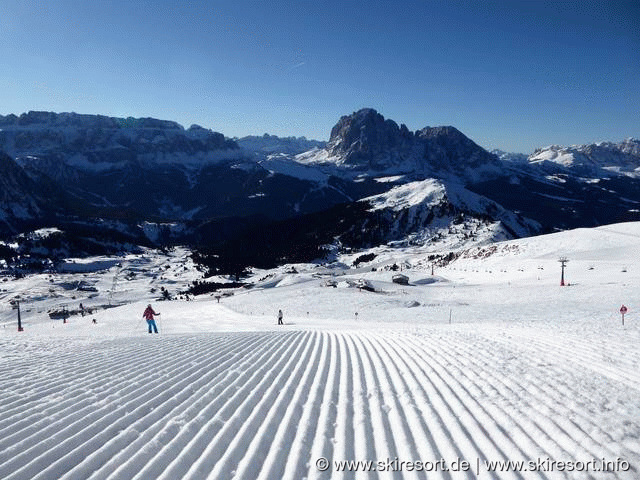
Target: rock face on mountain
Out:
[147,168]
[446,148]
[21,199]
[62,145]
[365,140]
[367,143]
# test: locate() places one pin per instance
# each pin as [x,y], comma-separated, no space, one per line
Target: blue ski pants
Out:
[152,324]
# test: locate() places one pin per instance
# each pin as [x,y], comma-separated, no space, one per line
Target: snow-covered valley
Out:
[487,359]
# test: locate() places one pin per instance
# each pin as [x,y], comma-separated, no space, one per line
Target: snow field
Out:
[527,370]
[269,404]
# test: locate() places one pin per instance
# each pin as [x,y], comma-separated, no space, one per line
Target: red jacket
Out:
[149,313]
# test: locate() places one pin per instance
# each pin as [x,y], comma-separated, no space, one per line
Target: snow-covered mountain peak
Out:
[264,145]
[410,194]
[631,146]
[563,156]
[604,158]
[518,158]
[428,206]
[365,143]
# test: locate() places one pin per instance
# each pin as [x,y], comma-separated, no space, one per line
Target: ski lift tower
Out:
[15,304]
[563,261]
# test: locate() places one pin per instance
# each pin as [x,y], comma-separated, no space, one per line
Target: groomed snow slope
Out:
[526,371]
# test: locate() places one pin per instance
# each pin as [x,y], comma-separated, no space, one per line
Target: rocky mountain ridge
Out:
[134,175]
[365,143]
[150,169]
[56,144]
[595,159]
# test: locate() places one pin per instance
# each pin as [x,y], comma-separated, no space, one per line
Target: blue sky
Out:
[514,75]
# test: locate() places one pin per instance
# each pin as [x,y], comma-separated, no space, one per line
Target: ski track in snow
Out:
[267,405]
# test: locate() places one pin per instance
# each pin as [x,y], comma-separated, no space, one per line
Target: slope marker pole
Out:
[623,310]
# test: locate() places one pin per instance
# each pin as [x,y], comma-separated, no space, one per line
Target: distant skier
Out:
[148,314]
[280,322]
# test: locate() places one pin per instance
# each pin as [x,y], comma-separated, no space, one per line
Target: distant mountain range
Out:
[373,182]
[265,145]
[594,160]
